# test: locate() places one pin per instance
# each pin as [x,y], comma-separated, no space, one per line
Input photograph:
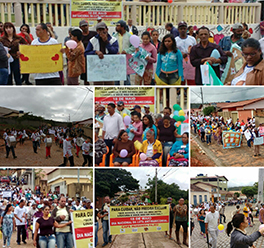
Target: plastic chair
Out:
[102,164]
[111,162]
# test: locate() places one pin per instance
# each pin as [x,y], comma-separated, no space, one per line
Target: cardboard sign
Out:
[139,219]
[258,141]
[40,59]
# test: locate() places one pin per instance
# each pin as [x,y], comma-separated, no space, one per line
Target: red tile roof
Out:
[238,104]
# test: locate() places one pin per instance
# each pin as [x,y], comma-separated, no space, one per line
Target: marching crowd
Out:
[65,138]
[46,215]
[175,59]
[210,129]
[211,217]
[138,137]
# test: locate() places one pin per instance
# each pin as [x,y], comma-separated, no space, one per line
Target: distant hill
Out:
[238,188]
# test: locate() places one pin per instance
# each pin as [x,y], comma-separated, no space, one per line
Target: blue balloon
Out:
[176,112]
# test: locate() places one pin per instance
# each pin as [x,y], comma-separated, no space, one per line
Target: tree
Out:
[165,190]
[249,191]
[110,181]
[236,194]
[208,110]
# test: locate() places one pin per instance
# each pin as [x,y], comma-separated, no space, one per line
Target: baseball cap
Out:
[169,199]
[182,24]
[33,203]
[83,23]
[101,25]
[120,103]
[146,106]
[237,26]
[136,106]
[121,23]
[99,18]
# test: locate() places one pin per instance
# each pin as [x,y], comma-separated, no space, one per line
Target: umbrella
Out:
[207,237]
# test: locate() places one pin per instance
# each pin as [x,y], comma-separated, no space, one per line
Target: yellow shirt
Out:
[120,43]
[246,209]
[157,148]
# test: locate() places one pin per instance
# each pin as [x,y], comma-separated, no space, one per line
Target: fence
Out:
[142,14]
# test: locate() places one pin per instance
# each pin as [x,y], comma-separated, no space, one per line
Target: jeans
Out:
[222,215]
[213,239]
[166,149]
[6,240]
[15,69]
[106,232]
[65,161]
[8,151]
[126,82]
[21,229]
[208,139]
[47,241]
[3,76]
[96,231]
[109,143]
[64,240]
[170,78]
[35,146]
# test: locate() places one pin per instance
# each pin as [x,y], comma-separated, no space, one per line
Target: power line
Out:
[81,103]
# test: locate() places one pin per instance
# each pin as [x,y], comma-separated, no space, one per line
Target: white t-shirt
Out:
[21,213]
[212,220]
[51,41]
[261,41]
[112,125]
[183,44]
[243,76]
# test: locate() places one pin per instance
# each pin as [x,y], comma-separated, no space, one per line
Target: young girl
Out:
[86,148]
[169,66]
[146,44]
[138,125]
[201,217]
[48,144]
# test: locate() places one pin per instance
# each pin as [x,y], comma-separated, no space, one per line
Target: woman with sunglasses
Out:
[252,72]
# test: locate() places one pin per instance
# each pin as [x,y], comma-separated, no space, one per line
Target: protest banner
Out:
[138,219]
[233,65]
[208,75]
[258,141]
[40,59]
[109,11]
[110,68]
[231,139]
[7,194]
[247,134]
[138,61]
[130,96]
[82,228]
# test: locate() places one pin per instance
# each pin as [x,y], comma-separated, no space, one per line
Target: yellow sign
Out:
[82,227]
[130,96]
[109,11]
[40,59]
[139,219]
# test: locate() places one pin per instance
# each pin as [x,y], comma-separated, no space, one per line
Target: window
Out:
[194,200]
[205,198]
[200,198]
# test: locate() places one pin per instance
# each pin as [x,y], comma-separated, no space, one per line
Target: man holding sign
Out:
[43,40]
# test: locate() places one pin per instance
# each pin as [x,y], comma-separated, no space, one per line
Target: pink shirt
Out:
[139,131]
[151,49]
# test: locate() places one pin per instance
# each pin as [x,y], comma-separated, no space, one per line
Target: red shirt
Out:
[24,37]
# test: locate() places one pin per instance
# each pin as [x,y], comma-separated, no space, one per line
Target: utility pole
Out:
[156,187]
[33,179]
[69,118]
[202,96]
[217,187]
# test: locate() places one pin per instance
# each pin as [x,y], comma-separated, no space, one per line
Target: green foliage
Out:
[208,110]
[123,198]
[237,194]
[110,181]
[165,190]
[250,191]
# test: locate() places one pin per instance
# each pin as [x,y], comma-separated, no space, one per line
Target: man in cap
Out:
[99,19]
[184,44]
[147,112]
[172,205]
[102,43]
[137,108]
[86,36]
[120,109]
[125,47]
[100,113]
[235,38]
[174,31]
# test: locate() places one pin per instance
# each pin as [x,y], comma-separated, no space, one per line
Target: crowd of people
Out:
[127,134]
[210,129]
[210,215]
[178,216]
[47,216]
[175,59]
[65,138]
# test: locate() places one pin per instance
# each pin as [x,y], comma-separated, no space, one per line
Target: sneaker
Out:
[4,246]
[18,243]
[104,244]
[25,242]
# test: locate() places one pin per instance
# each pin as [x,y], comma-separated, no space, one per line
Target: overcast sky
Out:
[179,176]
[222,94]
[55,103]
[236,176]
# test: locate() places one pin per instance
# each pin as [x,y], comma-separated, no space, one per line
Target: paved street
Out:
[26,156]
[140,240]
[198,241]
[242,156]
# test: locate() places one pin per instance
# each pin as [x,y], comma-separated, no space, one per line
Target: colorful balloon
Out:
[134,40]
[170,1]
[71,44]
[127,120]
[181,113]
[124,115]
[143,156]
[176,107]
[181,118]
[261,226]
[123,153]
[176,112]
[221,227]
